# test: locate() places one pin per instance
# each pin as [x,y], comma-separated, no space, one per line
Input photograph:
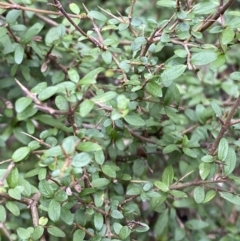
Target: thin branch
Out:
[4,5]
[225,126]
[41,142]
[142,138]
[235,122]
[94,41]
[28,93]
[94,25]
[39,105]
[7,172]
[195,183]
[5,231]
[23,200]
[189,129]
[215,16]
[85,230]
[8,160]
[35,216]
[111,15]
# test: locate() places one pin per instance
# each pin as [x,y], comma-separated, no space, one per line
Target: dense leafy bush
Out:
[119,122]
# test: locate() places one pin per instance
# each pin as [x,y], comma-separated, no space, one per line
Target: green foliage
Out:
[119,120]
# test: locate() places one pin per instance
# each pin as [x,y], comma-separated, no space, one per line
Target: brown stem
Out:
[216,15]
[194,183]
[58,5]
[142,138]
[225,126]
[4,5]
[8,171]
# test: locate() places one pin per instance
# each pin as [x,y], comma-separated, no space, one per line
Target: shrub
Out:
[119,122]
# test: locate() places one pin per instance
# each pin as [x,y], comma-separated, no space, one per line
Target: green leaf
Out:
[167,3]
[72,73]
[227,35]
[116,214]
[124,232]
[161,223]
[46,189]
[37,233]
[100,182]
[97,15]
[74,8]
[182,53]
[107,57]
[22,103]
[223,149]
[136,22]
[13,178]
[172,73]
[81,159]
[207,158]
[61,103]
[179,234]
[88,146]
[68,144]
[90,78]
[19,54]
[134,191]
[31,32]
[230,162]
[142,228]
[101,98]
[98,221]
[109,170]
[190,152]
[47,93]
[168,175]
[204,170]
[235,76]
[154,89]
[205,7]
[170,148]
[230,197]
[203,58]
[3,214]
[21,153]
[43,221]
[177,193]
[195,224]
[61,196]
[67,216]
[134,119]
[216,108]
[86,107]
[201,113]
[13,208]
[78,235]
[54,210]
[209,196]
[199,194]
[99,157]
[220,61]
[28,112]
[12,16]
[23,233]
[122,26]
[161,186]
[57,232]
[49,120]
[14,193]
[125,65]
[54,151]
